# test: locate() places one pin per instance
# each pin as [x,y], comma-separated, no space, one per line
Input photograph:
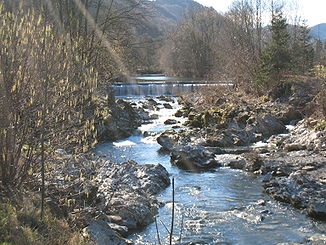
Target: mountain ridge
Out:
[318,31]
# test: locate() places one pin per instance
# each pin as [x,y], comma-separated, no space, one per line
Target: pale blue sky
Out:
[314,11]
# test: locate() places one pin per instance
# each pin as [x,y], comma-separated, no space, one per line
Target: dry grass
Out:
[20,224]
[215,96]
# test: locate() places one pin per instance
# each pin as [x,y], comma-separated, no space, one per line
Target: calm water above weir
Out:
[222,206]
[158,84]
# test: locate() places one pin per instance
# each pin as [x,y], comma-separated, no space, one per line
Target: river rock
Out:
[151,101]
[290,115]
[296,178]
[167,106]
[166,99]
[168,139]
[253,161]
[127,190]
[143,114]
[238,164]
[194,158]
[261,127]
[302,136]
[317,210]
[179,113]
[170,121]
[100,232]
[267,125]
[121,229]
[120,122]
[294,147]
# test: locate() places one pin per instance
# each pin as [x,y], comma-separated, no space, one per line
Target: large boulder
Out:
[267,125]
[101,232]
[297,178]
[304,136]
[195,158]
[170,121]
[127,190]
[317,210]
[168,140]
[120,122]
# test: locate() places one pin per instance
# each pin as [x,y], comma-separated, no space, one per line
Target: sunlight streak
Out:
[99,35]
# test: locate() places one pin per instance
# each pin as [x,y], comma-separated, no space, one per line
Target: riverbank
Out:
[91,199]
[107,200]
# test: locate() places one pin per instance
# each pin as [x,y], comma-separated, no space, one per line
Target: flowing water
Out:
[221,206]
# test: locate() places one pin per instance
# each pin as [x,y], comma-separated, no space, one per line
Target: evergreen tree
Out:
[275,60]
[302,51]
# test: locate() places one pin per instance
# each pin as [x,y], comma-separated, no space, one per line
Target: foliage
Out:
[321,126]
[46,91]
[320,98]
[275,61]
[302,50]
[237,47]
[320,72]
[320,53]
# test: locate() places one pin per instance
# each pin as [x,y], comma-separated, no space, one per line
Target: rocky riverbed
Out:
[107,200]
[292,162]
[110,200]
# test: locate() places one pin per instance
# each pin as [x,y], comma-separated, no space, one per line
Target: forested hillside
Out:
[319,31]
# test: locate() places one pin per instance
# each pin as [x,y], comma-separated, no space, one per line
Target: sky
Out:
[313,11]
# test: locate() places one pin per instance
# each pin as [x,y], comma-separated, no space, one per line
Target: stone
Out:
[122,120]
[317,210]
[238,164]
[166,99]
[170,121]
[128,190]
[179,113]
[151,101]
[168,140]
[122,230]
[167,106]
[100,232]
[317,239]
[194,158]
[268,125]
[154,116]
[294,147]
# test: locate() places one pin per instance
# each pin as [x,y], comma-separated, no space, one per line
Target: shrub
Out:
[46,94]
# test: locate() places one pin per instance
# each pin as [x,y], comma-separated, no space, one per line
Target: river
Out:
[221,206]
